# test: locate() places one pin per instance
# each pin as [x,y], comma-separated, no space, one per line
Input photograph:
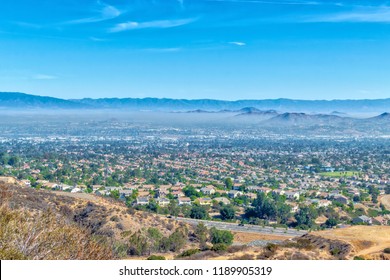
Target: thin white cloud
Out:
[366,14]
[240,44]
[44,77]
[133,25]
[271,2]
[104,12]
[27,25]
[163,50]
[96,39]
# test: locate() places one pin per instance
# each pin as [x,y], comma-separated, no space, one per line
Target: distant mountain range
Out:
[14,100]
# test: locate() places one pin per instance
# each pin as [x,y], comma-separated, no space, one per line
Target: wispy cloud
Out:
[27,25]
[163,50]
[132,25]
[362,14]
[240,44]
[104,12]
[44,77]
[96,39]
[297,2]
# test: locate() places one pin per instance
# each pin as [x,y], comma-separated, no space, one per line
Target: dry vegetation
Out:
[366,241]
[43,234]
[385,200]
[246,237]
[39,224]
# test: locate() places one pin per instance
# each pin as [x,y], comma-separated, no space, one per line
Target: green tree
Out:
[221,236]
[153,206]
[114,194]
[173,208]
[174,242]
[331,222]
[374,193]
[138,244]
[201,234]
[306,216]
[229,183]
[227,212]
[190,191]
[155,237]
[199,212]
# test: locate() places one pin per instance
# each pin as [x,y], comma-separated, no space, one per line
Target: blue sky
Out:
[220,49]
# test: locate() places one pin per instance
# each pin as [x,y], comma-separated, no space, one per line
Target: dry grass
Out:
[72,226]
[365,240]
[385,200]
[246,237]
[43,234]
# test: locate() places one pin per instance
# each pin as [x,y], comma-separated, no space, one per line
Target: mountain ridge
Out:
[28,101]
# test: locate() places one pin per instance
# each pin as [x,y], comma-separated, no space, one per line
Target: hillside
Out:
[17,100]
[39,224]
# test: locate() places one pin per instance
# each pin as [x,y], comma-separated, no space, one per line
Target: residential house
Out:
[204,201]
[234,193]
[110,189]
[293,195]
[162,201]
[265,190]
[224,200]
[125,193]
[208,190]
[362,220]
[142,200]
[184,201]
[341,199]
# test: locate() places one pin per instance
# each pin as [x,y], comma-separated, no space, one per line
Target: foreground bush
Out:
[154,257]
[188,253]
[45,235]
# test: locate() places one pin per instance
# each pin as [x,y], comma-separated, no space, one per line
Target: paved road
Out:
[245,228]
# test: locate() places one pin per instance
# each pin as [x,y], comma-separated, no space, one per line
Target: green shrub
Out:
[272,247]
[221,236]
[335,251]
[188,253]
[220,247]
[154,257]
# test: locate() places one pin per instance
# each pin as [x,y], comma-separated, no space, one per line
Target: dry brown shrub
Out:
[236,248]
[203,255]
[45,236]
[243,257]
[5,194]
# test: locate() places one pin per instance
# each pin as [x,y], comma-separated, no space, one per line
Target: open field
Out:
[385,200]
[339,174]
[244,237]
[366,240]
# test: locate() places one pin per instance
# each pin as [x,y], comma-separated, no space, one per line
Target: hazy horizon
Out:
[193,99]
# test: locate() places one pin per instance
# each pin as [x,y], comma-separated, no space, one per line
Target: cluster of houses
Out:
[310,191]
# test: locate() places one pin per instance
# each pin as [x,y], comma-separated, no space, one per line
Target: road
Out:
[245,228]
